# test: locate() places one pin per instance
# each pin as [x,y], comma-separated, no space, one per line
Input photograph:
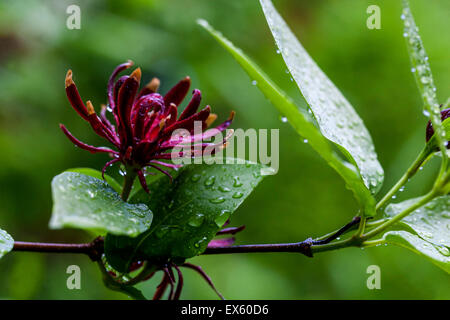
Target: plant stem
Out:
[93,249]
[330,237]
[422,201]
[404,179]
[300,247]
[128,181]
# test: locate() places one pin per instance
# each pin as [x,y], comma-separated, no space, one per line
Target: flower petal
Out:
[226,242]
[74,97]
[83,145]
[112,78]
[192,107]
[125,99]
[178,92]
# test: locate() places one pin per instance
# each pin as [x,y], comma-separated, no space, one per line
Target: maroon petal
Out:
[171,112]
[171,275]
[232,230]
[83,145]
[168,165]
[109,163]
[74,97]
[177,155]
[226,242]
[192,106]
[161,288]
[143,115]
[178,92]
[105,120]
[125,99]
[198,137]
[143,181]
[99,127]
[204,276]
[161,170]
[177,294]
[112,78]
[188,124]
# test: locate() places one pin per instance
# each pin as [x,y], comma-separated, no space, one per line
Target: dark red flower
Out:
[430,131]
[144,122]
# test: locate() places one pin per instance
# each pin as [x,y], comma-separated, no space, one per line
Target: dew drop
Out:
[222,217]
[217,200]
[196,220]
[195,177]
[237,182]
[237,195]
[200,242]
[210,181]
[424,80]
[305,140]
[254,82]
[426,234]
[224,189]
[284,119]
[443,250]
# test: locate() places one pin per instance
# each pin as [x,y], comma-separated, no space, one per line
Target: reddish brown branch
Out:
[93,249]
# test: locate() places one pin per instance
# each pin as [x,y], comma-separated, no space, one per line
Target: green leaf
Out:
[300,121]
[425,231]
[98,174]
[187,213]
[85,202]
[422,73]
[6,243]
[337,119]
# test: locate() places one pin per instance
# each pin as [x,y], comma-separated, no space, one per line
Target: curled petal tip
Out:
[136,74]
[130,62]
[69,80]
[90,107]
[232,114]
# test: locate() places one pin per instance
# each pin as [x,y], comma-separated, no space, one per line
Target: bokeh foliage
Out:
[306,197]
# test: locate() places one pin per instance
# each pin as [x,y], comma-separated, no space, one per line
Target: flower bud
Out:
[430,131]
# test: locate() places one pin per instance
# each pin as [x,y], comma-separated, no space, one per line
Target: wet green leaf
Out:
[6,243]
[337,119]
[187,212]
[426,231]
[85,202]
[98,174]
[422,72]
[300,121]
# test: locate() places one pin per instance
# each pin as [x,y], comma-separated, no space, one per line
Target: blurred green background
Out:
[306,198]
